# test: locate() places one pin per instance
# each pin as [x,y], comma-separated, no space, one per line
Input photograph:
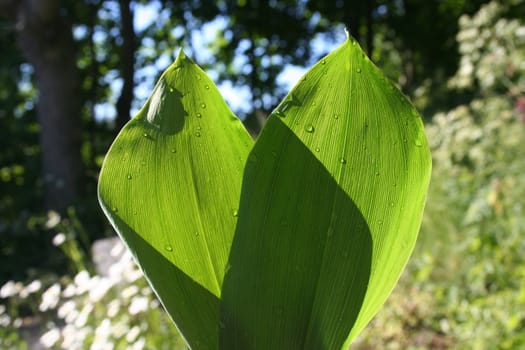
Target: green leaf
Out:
[170,185]
[331,204]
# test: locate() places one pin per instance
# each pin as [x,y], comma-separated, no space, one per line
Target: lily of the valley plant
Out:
[292,242]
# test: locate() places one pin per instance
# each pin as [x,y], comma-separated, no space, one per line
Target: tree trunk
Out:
[127,62]
[46,40]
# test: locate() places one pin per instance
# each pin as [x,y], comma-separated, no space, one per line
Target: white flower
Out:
[102,334]
[67,308]
[82,282]
[130,291]
[113,308]
[97,292]
[133,275]
[34,286]
[53,218]
[10,289]
[17,322]
[68,334]
[2,308]
[5,320]
[50,298]
[138,305]
[154,304]
[49,338]
[139,344]
[59,239]
[83,316]
[71,316]
[133,334]
[117,250]
[118,330]
[69,291]
[30,289]
[520,31]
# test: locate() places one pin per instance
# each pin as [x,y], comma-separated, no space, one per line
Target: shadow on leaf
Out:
[301,257]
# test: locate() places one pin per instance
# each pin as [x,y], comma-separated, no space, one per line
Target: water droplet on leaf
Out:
[309,128]
[199,115]
[342,160]
[129,176]
[168,248]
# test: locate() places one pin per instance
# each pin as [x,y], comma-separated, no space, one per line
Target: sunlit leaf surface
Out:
[332,198]
[170,186]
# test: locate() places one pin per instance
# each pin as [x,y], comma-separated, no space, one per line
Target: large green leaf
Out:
[331,203]
[170,185]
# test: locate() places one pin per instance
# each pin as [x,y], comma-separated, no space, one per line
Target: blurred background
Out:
[72,73]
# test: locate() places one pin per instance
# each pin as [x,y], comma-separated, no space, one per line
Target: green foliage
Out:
[111,309]
[343,162]
[469,264]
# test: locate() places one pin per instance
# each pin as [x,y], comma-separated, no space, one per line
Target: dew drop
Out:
[323,61]
[377,173]
[129,177]
[207,87]
[336,116]
[173,150]
[358,70]
[196,234]
[309,128]
[199,77]
[198,134]
[342,160]
[203,105]
[134,212]
[168,248]
[199,115]
[115,209]
[145,135]
[317,149]
[380,222]
[235,212]
[199,128]
[391,204]
[418,143]
[405,140]
[171,89]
